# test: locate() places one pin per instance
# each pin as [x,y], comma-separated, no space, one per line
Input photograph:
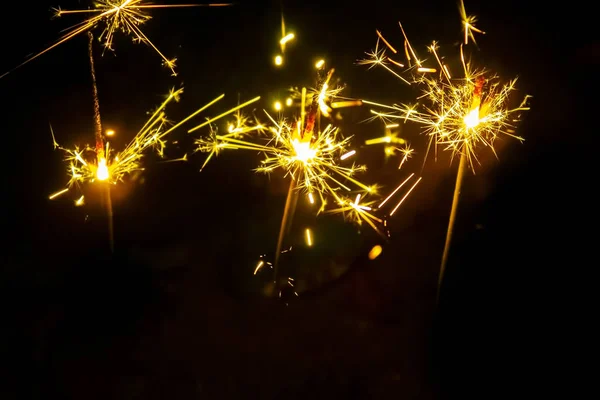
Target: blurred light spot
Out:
[320,64]
[288,101]
[278,60]
[375,252]
[309,239]
[277,106]
[110,132]
[286,38]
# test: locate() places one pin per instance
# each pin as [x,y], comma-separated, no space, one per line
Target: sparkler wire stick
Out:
[306,132]
[288,212]
[461,114]
[455,199]
[100,143]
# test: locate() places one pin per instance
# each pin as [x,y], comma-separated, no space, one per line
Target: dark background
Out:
[177,313]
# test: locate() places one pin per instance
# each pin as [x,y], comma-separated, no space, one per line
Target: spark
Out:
[90,164]
[348,155]
[459,114]
[286,39]
[80,201]
[389,139]
[278,60]
[347,103]
[126,16]
[309,155]
[110,132]
[259,266]
[309,237]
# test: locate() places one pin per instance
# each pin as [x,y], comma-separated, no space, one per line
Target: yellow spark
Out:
[259,266]
[390,138]
[468,24]
[348,155]
[375,252]
[286,39]
[311,198]
[234,109]
[309,239]
[110,132]
[347,103]
[458,113]
[79,202]
[278,60]
[390,126]
[359,213]
[115,15]
[55,195]
[405,196]
[289,102]
[319,64]
[277,106]
[406,152]
[386,42]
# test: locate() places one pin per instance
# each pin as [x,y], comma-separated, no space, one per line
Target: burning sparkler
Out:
[315,159]
[89,165]
[312,157]
[126,16]
[92,164]
[461,113]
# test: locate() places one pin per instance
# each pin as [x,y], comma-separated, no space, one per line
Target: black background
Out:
[177,313]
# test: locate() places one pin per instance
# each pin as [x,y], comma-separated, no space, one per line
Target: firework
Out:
[459,113]
[126,16]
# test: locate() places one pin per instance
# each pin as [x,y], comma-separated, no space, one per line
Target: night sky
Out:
[176,313]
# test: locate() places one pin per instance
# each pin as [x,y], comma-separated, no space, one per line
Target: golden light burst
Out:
[459,113]
[126,16]
[101,164]
[359,211]
[317,159]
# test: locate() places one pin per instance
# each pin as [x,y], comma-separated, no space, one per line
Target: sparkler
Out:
[93,164]
[315,159]
[102,165]
[459,114]
[115,15]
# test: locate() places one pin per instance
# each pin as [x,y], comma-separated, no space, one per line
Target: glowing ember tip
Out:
[303,151]
[375,252]
[102,172]
[472,118]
